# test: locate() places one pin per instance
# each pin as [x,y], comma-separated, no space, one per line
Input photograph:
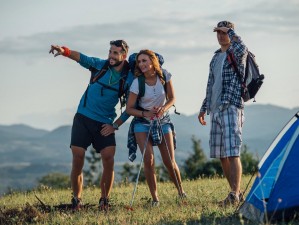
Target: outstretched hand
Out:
[58,49]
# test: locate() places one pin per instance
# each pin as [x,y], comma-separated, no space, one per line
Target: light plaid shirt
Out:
[231,85]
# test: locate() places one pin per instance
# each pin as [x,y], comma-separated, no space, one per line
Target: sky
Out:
[42,91]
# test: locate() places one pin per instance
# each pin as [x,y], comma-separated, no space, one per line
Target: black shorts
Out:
[86,131]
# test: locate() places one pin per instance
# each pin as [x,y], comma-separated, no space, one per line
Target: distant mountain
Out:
[19,131]
[22,130]
[28,153]
[59,133]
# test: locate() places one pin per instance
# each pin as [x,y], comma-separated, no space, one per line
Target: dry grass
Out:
[199,208]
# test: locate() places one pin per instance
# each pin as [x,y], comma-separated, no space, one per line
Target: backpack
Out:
[253,80]
[132,60]
[122,90]
[141,78]
[141,85]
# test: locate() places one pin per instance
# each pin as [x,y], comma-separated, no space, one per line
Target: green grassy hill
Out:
[200,207]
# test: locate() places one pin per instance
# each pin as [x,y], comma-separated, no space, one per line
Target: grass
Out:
[200,207]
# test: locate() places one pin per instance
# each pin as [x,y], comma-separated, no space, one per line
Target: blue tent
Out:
[274,194]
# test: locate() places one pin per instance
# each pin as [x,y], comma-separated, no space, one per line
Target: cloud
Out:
[180,30]
[174,31]
[260,16]
[174,35]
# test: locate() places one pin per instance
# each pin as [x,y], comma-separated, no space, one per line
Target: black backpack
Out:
[253,80]
[96,74]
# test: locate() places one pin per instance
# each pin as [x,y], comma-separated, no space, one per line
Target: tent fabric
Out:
[275,192]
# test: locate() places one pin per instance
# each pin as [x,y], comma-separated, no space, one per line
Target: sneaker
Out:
[155,203]
[104,204]
[76,203]
[231,199]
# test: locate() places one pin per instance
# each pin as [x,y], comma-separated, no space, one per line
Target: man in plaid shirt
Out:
[224,104]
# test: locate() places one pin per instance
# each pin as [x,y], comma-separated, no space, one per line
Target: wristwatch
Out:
[115,126]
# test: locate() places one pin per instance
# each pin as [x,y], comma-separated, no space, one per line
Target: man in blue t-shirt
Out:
[94,123]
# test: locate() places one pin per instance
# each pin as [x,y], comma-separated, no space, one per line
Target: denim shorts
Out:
[144,128]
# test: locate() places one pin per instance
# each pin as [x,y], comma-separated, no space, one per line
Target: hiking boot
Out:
[231,199]
[241,197]
[183,195]
[155,203]
[76,204]
[104,204]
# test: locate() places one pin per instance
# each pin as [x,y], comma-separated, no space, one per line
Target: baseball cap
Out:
[226,23]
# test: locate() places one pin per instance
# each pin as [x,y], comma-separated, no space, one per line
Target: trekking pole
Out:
[172,163]
[143,153]
[239,204]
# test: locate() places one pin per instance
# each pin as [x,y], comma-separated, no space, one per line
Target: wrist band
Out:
[67,51]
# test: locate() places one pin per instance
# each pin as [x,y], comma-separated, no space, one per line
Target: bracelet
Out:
[67,51]
[142,113]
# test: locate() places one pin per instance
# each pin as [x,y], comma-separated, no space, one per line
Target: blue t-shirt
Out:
[100,100]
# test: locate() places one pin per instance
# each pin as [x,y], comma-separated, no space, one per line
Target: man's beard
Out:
[116,64]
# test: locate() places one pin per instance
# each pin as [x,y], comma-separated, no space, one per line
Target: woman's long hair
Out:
[155,62]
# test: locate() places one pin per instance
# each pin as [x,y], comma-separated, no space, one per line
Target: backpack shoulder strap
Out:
[232,61]
[123,77]
[123,88]
[141,84]
[165,85]
[97,74]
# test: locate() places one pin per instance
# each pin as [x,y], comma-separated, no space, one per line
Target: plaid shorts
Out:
[226,132]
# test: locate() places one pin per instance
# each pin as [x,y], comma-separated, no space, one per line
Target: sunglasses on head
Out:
[120,43]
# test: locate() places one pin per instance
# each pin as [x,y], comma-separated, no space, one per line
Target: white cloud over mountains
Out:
[32,81]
